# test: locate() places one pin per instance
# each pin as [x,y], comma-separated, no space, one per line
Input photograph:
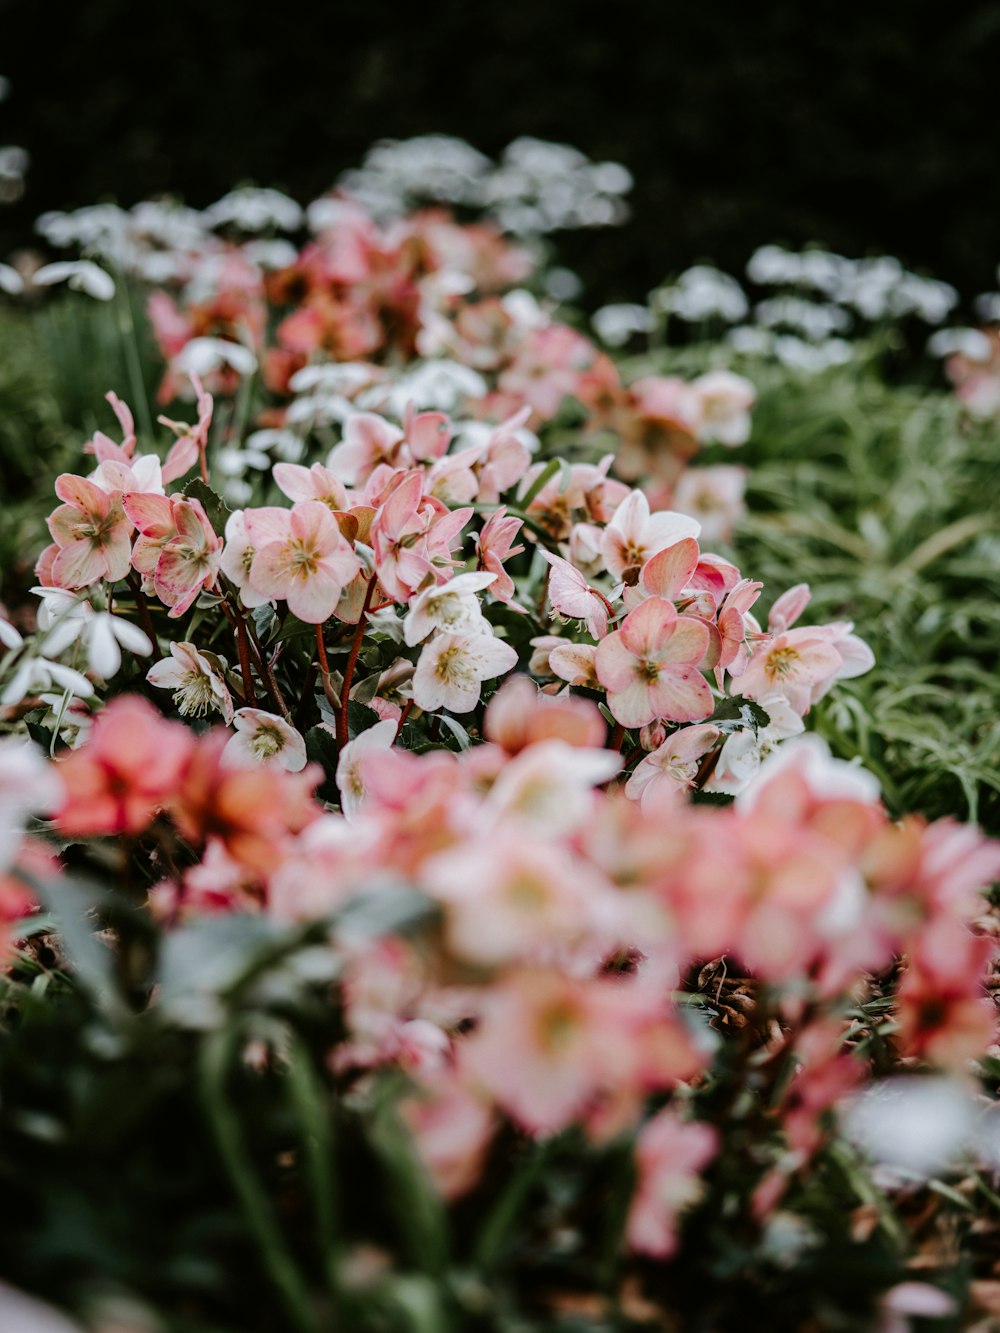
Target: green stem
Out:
[216,1056]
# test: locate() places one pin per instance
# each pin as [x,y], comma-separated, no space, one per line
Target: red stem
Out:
[352,658]
[243,645]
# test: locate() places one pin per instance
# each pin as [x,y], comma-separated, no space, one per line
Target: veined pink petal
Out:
[313,524]
[687,644]
[78,564]
[65,523]
[680,695]
[315,598]
[118,554]
[644,629]
[82,494]
[268,524]
[668,573]
[614,663]
[153,515]
[632,706]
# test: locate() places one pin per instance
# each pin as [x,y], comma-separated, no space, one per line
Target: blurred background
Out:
[869,128]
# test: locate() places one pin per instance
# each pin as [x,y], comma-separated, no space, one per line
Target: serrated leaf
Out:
[738,714]
[213,504]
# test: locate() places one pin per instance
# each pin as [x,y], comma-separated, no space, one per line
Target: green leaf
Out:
[738,714]
[213,504]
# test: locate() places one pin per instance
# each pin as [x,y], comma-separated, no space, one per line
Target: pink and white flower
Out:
[264,738]
[308,565]
[649,666]
[198,680]
[452,668]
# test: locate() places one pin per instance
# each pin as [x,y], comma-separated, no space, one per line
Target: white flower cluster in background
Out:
[535,188]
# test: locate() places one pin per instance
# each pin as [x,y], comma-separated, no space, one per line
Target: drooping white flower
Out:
[452,607]
[82,275]
[33,674]
[69,618]
[197,679]
[201,356]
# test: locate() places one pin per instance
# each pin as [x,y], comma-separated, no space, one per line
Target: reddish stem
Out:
[402,720]
[243,645]
[617,736]
[352,658]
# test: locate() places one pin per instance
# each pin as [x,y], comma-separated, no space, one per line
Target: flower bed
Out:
[419,886]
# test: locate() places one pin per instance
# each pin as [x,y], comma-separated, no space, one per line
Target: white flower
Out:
[28,785]
[452,668]
[34,674]
[350,782]
[11,281]
[615,324]
[452,607]
[203,355]
[264,738]
[970,343]
[724,403]
[743,752]
[81,275]
[71,619]
[197,679]
[253,209]
[916,1123]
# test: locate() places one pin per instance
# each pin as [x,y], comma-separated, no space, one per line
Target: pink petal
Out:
[688,643]
[314,599]
[82,494]
[680,695]
[669,572]
[644,629]
[78,564]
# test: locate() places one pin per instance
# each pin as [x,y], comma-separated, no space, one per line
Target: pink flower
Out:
[350,763]
[451,1132]
[309,566]
[649,666]
[153,515]
[674,764]
[104,448]
[714,496]
[311,483]
[724,402]
[792,664]
[192,441]
[670,1154]
[190,560]
[452,668]
[572,596]
[519,715]
[635,535]
[368,441]
[269,524]
[129,768]
[516,900]
[496,544]
[92,532]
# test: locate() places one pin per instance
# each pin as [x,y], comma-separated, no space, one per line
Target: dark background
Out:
[868,126]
